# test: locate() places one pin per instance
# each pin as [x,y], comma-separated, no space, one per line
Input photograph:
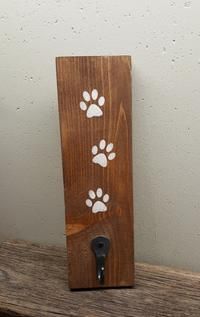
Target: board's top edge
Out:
[92,56]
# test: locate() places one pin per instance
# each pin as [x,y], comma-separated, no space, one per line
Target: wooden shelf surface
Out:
[33,282]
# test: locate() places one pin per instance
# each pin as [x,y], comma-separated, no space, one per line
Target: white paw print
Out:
[92,104]
[100,201]
[102,158]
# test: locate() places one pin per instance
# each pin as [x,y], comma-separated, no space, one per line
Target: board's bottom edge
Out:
[74,289]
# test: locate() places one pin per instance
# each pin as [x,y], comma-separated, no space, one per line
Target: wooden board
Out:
[89,129]
[33,283]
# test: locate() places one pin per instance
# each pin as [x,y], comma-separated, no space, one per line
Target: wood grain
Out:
[111,76]
[33,283]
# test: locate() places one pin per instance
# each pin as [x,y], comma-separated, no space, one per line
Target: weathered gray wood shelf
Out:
[33,282]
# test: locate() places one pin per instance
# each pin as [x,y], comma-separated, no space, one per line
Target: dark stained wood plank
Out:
[33,283]
[83,127]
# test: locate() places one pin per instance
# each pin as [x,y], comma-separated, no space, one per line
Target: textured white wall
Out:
[164,39]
